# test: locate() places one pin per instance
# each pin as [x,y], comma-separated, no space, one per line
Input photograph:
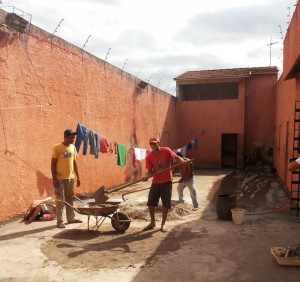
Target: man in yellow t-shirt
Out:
[63,169]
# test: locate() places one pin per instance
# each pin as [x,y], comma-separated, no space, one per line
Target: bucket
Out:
[224,205]
[238,215]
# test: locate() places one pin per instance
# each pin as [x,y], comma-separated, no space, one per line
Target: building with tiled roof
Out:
[232,110]
[226,73]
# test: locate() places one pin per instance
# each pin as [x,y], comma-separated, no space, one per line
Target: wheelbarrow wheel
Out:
[117,223]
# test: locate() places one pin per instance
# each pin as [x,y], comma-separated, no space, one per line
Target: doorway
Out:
[229,150]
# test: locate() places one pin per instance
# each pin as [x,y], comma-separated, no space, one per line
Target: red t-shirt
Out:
[159,161]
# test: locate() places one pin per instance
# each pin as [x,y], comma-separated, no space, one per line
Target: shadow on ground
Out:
[219,250]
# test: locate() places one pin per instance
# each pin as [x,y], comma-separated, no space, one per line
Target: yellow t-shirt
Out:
[65,160]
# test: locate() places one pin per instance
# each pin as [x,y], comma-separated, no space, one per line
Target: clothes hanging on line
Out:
[133,158]
[94,142]
[140,154]
[82,135]
[104,145]
[121,152]
[99,144]
[183,151]
[192,145]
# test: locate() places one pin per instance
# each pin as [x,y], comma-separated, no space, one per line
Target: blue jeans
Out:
[190,183]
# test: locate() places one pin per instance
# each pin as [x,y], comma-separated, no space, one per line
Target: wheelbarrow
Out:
[119,220]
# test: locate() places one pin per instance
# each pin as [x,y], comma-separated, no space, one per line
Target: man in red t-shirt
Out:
[160,159]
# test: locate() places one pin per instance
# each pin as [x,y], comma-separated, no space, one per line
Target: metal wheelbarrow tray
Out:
[119,220]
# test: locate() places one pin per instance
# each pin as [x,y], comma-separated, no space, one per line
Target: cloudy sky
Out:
[157,40]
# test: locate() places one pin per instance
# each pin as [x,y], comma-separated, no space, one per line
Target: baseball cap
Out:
[154,140]
[69,132]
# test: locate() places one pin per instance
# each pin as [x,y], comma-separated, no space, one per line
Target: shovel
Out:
[102,195]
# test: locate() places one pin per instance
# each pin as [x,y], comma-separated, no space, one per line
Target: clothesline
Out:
[24,107]
[100,144]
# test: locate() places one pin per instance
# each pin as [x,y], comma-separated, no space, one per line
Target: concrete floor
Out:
[207,249]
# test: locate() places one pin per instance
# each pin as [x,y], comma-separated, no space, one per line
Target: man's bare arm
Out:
[293,166]
[76,173]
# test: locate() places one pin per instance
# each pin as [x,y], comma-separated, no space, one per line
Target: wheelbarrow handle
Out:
[74,208]
[142,179]
[78,199]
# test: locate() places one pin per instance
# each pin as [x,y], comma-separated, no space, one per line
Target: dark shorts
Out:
[163,191]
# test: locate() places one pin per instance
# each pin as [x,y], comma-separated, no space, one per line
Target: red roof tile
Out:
[226,73]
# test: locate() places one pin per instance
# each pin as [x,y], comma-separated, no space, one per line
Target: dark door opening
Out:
[229,151]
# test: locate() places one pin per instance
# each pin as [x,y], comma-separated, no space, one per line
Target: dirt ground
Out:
[197,247]
[111,249]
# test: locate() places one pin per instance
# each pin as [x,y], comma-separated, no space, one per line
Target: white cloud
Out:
[163,38]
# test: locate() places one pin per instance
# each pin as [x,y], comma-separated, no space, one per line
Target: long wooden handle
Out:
[140,180]
[135,191]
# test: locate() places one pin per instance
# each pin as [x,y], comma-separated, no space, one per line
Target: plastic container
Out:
[238,215]
[48,216]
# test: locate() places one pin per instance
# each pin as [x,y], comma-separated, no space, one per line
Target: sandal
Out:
[75,221]
[163,229]
[149,227]
[61,225]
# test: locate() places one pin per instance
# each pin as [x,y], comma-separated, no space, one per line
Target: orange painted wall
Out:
[206,121]
[288,92]
[284,123]
[260,114]
[46,88]
[49,85]
[292,43]
[251,116]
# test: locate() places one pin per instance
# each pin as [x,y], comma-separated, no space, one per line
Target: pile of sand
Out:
[139,211]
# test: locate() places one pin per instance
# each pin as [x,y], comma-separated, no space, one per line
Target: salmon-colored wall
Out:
[260,115]
[206,121]
[284,124]
[49,85]
[251,116]
[288,92]
[292,42]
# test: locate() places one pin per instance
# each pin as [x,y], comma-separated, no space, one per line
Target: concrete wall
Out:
[284,124]
[287,94]
[251,117]
[206,121]
[292,43]
[260,115]
[48,85]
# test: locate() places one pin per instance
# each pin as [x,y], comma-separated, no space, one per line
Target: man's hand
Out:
[78,182]
[180,180]
[145,178]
